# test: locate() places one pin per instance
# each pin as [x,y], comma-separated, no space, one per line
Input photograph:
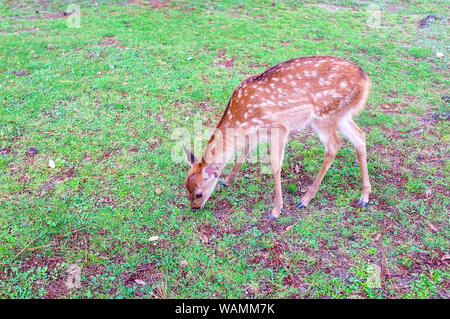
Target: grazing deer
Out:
[319,92]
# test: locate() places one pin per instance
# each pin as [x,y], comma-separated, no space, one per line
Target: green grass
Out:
[104,101]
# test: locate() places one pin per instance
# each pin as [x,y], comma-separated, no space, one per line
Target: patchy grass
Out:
[103,100]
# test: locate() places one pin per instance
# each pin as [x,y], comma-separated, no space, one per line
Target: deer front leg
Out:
[277,143]
[230,178]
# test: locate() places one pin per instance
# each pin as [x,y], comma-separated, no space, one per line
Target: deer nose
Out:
[194,209]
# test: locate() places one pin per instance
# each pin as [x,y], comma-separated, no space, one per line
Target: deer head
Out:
[201,180]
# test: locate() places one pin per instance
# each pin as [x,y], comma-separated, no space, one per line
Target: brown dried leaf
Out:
[378,237]
[153,238]
[433,227]
[140,282]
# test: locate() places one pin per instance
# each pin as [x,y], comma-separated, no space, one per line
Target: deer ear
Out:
[210,171]
[190,157]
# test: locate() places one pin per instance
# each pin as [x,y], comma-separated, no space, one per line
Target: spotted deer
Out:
[318,92]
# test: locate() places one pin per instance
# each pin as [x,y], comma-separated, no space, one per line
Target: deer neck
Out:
[220,148]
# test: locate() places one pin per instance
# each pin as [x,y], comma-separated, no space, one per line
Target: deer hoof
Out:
[223,184]
[271,217]
[300,205]
[362,203]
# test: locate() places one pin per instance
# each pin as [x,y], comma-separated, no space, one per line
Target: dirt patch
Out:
[395,8]
[389,108]
[4,151]
[145,274]
[430,19]
[107,154]
[151,3]
[133,149]
[56,180]
[222,208]
[45,16]
[106,201]
[316,39]
[223,60]
[111,41]
[206,232]
[55,286]
[254,65]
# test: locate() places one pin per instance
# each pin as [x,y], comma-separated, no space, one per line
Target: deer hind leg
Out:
[358,139]
[331,142]
[278,139]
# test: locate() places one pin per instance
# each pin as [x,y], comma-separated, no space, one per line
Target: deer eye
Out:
[199,195]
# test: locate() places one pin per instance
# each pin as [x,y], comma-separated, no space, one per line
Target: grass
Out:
[105,102]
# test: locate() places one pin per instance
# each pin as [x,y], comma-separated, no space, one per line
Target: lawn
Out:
[92,119]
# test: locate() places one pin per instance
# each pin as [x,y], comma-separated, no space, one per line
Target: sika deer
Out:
[319,92]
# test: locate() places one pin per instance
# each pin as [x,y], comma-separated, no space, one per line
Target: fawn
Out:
[319,92]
